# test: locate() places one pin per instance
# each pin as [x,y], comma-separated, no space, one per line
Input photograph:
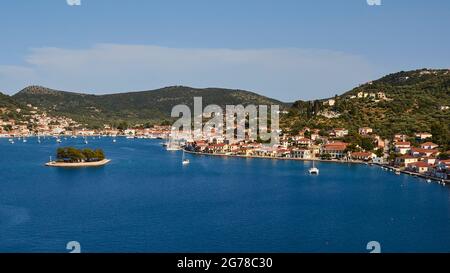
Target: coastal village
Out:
[415,154]
[421,157]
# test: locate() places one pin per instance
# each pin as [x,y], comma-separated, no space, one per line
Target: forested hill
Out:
[403,102]
[132,107]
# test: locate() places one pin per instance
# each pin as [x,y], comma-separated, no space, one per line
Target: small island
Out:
[69,157]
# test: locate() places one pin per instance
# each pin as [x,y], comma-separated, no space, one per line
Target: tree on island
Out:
[73,155]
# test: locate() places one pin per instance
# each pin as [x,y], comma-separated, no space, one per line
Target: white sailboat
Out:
[314,170]
[185,161]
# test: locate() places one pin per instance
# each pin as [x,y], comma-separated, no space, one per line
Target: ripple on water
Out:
[12,216]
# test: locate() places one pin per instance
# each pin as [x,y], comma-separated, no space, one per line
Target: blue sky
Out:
[287,49]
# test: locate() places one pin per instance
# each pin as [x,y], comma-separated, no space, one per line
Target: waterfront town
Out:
[412,154]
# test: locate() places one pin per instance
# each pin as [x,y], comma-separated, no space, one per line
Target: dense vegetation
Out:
[73,155]
[132,108]
[416,102]
[8,108]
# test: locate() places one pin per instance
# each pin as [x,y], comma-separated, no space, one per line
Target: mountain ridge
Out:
[136,106]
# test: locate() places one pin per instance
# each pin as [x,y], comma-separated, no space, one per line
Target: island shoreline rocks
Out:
[78,164]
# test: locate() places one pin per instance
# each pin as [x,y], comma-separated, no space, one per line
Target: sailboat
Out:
[314,170]
[85,141]
[185,161]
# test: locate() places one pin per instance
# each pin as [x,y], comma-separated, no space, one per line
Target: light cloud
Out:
[287,74]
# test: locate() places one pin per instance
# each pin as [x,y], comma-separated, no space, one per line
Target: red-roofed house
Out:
[418,152]
[400,137]
[403,161]
[339,132]
[402,147]
[304,141]
[418,167]
[301,153]
[423,136]
[336,149]
[429,145]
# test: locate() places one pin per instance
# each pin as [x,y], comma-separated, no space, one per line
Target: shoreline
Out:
[419,175]
[78,165]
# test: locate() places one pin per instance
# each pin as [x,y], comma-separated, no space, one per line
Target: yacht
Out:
[314,170]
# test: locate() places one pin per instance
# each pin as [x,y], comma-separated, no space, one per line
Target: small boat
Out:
[397,172]
[314,170]
[428,181]
[114,140]
[58,140]
[185,161]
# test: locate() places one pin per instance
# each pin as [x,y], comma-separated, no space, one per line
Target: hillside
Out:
[403,102]
[134,107]
[8,108]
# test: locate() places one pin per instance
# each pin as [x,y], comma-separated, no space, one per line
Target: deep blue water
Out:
[146,201]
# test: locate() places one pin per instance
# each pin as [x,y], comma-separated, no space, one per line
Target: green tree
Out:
[367,144]
[379,152]
[89,154]
[69,154]
[352,148]
[99,154]
[441,134]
